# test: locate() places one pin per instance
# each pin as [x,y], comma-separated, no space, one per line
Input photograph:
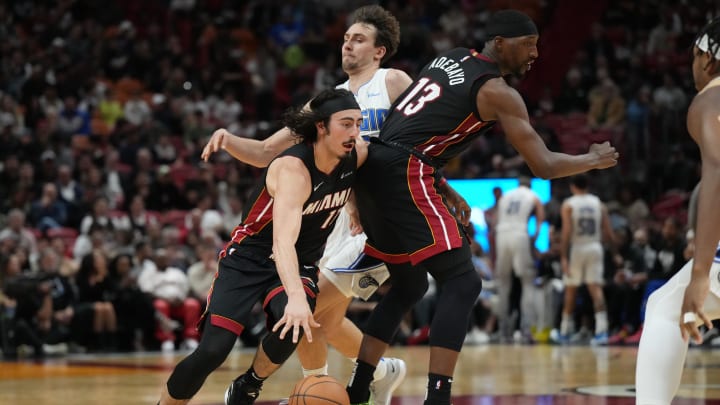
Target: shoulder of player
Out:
[497,92]
[396,74]
[497,86]
[288,164]
[705,102]
[396,81]
[288,174]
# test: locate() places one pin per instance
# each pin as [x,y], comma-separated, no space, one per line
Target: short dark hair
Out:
[580,181]
[387,26]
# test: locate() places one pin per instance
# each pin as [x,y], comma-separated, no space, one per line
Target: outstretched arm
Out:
[498,101]
[251,151]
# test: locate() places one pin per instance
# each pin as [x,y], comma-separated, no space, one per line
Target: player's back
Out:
[514,209]
[437,114]
[586,218]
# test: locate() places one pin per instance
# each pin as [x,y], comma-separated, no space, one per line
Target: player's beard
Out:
[349,66]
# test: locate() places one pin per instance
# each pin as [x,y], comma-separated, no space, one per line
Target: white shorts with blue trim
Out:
[346,266]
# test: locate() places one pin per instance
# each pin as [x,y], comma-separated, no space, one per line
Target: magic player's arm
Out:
[396,82]
[351,206]
[704,127]
[251,151]
[607,231]
[565,231]
[539,216]
[498,101]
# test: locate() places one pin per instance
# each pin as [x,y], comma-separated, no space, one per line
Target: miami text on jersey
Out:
[329,201]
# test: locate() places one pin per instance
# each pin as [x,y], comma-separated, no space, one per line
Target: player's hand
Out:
[215,143]
[695,294]
[457,205]
[297,315]
[565,266]
[605,153]
[355,225]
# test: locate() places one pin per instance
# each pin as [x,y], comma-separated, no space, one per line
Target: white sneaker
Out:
[383,388]
[476,337]
[167,346]
[189,344]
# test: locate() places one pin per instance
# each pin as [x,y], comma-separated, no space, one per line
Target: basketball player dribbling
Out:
[302,191]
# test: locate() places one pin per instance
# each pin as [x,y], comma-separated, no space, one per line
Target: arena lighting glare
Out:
[479,195]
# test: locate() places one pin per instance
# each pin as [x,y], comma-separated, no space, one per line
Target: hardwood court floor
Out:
[487,375]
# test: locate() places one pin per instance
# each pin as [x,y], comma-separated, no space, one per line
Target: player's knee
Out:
[466,286]
[278,350]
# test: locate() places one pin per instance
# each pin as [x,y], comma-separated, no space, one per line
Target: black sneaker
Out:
[240,392]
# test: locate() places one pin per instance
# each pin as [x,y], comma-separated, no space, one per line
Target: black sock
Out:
[438,389]
[253,379]
[359,386]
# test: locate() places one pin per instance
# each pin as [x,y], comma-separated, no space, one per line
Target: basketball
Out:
[318,390]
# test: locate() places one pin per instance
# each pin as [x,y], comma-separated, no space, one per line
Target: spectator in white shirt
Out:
[136,110]
[169,287]
[227,110]
[201,274]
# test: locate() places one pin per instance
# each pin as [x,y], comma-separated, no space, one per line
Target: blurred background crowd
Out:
[110,222]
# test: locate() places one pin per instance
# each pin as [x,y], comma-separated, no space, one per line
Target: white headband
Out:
[703,43]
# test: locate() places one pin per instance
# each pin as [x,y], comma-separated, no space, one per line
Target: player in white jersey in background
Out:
[371,39]
[514,247]
[584,221]
[692,296]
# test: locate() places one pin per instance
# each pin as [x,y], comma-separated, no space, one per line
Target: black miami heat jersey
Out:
[329,195]
[437,114]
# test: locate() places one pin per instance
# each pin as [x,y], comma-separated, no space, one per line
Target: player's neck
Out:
[361,76]
[490,53]
[713,82]
[325,161]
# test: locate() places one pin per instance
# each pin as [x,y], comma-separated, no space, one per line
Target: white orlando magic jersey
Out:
[514,209]
[586,217]
[374,101]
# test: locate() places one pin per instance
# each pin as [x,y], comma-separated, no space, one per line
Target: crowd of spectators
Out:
[109,220]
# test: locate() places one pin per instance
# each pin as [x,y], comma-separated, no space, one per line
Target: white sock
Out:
[567,326]
[601,322]
[317,371]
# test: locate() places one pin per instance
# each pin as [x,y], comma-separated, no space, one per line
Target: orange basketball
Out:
[319,390]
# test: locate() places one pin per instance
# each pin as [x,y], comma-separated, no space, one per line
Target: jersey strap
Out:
[405,148]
